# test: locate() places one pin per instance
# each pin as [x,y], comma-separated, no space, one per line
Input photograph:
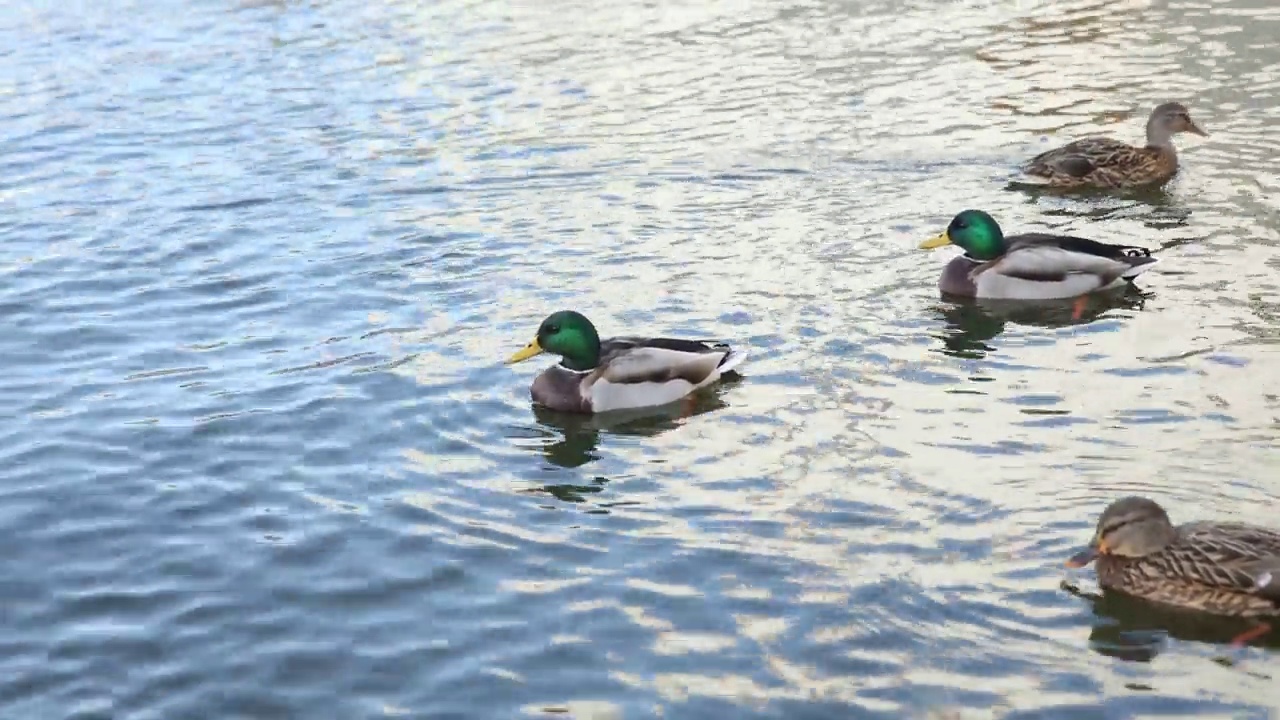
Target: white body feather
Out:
[1085,273]
[610,391]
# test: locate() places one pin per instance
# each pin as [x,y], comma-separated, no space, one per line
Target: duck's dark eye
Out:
[553,329]
[959,225]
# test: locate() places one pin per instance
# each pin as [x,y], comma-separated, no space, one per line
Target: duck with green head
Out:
[1228,569]
[1102,162]
[619,373]
[1030,266]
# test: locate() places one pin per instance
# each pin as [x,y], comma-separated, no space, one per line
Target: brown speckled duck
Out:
[1030,266]
[619,373]
[1228,569]
[1102,162]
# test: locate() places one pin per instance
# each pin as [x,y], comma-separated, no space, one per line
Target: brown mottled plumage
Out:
[1102,162]
[1229,569]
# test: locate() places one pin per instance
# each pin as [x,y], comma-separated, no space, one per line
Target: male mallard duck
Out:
[1031,266]
[1102,162]
[619,373]
[1227,569]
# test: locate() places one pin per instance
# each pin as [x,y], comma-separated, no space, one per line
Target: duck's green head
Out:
[567,334]
[974,231]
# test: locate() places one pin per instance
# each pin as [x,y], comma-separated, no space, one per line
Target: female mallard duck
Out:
[1101,162]
[619,373]
[1031,266]
[1227,569]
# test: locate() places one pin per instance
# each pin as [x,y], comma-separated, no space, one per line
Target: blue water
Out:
[261,263]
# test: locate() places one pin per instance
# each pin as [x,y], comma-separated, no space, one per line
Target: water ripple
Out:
[263,261]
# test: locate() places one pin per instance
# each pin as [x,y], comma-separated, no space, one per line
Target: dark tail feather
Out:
[1138,264]
[731,359]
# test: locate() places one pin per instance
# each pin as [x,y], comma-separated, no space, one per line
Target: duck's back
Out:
[1097,145]
[1231,542]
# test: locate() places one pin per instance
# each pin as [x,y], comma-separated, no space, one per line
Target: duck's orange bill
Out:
[1083,558]
[1088,555]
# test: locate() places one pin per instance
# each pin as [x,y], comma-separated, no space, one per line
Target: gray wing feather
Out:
[1050,262]
[657,365]
[1242,558]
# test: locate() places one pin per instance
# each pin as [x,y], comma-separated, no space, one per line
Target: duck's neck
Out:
[1159,136]
[579,348]
[1110,570]
[582,360]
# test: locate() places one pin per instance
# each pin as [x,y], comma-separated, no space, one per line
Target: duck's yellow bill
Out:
[936,242]
[528,351]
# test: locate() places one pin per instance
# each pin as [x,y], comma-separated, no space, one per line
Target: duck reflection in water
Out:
[1155,209]
[570,440]
[971,323]
[1130,628]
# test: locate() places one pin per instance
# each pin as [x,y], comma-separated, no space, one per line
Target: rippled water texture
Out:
[261,262]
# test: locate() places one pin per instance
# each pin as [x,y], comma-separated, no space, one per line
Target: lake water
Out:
[262,262]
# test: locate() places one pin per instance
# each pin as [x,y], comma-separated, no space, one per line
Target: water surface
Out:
[262,261]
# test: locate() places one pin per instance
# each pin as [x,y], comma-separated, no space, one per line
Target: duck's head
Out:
[568,334]
[1169,119]
[974,231]
[1130,527]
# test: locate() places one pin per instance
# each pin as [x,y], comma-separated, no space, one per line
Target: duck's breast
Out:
[955,278]
[560,389]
